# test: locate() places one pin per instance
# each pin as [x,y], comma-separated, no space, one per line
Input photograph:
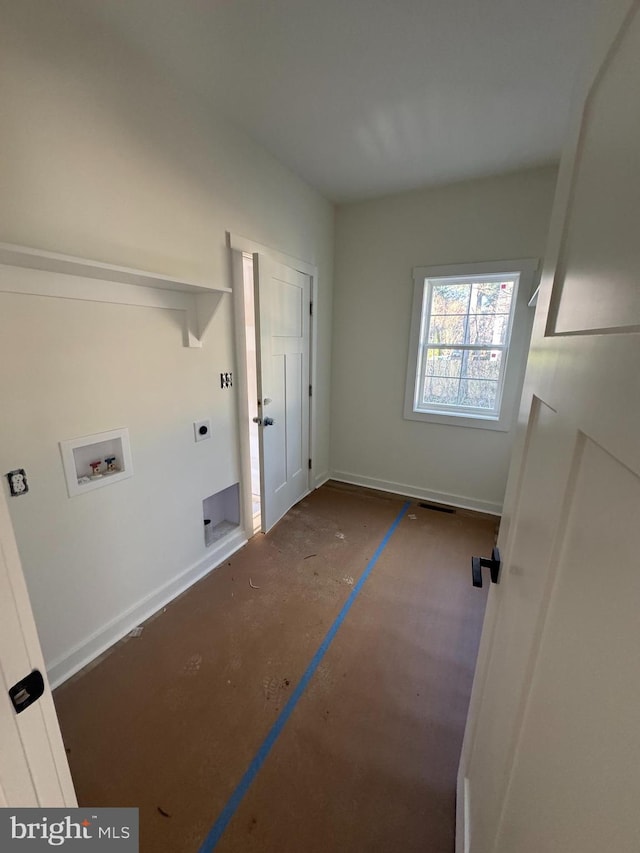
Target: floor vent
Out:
[438,508]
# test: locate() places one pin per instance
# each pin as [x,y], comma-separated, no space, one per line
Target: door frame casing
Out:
[238,246]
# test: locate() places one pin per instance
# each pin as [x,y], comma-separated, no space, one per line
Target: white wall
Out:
[101,158]
[377,244]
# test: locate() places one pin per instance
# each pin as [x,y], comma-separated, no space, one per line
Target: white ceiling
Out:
[367,97]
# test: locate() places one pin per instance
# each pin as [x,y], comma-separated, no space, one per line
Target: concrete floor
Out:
[170,722]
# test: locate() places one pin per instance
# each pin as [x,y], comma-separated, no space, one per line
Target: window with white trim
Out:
[460,342]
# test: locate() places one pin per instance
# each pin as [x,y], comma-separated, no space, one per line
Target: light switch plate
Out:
[202,429]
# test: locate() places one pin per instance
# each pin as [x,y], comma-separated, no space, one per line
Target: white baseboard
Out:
[463,840]
[321,479]
[66,665]
[490,507]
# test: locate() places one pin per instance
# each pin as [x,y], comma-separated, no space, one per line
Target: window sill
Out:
[500,424]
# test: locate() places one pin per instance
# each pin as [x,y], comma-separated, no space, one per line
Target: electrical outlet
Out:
[202,429]
[18,482]
[226,380]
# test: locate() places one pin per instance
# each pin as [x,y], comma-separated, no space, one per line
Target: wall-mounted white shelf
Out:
[42,273]
[93,461]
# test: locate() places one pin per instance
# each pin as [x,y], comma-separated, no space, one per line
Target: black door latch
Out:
[492,563]
[27,691]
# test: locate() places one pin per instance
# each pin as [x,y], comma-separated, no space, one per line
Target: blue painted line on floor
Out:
[218,828]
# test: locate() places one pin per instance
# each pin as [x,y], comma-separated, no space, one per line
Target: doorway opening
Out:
[275,338]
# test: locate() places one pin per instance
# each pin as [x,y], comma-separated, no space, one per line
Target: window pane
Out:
[487,329]
[482,364]
[479,393]
[443,362]
[440,391]
[447,330]
[450,298]
[491,297]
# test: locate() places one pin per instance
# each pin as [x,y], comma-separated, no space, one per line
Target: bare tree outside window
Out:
[464,338]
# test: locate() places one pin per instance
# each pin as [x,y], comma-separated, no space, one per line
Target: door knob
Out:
[268,422]
[257,421]
[492,563]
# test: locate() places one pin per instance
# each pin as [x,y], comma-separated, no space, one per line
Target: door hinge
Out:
[311,309]
[309,464]
[311,390]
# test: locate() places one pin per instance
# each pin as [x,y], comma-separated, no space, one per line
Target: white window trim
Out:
[525,269]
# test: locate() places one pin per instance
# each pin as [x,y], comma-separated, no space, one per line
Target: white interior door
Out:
[282,300]
[551,755]
[33,763]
